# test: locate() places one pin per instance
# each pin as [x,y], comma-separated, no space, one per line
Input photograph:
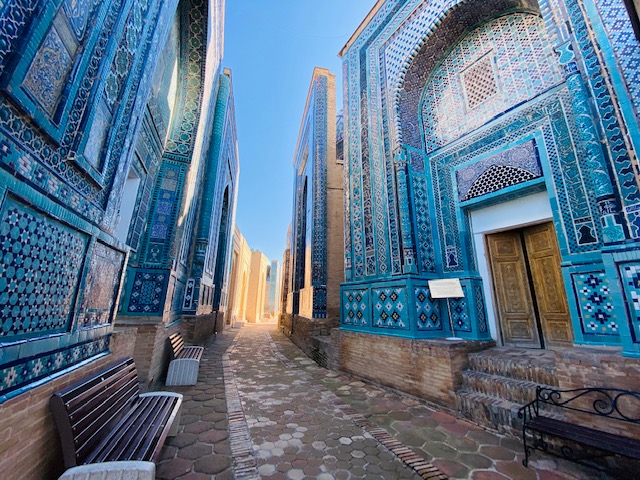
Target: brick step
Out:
[512,389]
[496,413]
[493,412]
[537,366]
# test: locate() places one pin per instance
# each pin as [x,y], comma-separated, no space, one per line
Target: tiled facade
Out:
[314,264]
[92,152]
[451,107]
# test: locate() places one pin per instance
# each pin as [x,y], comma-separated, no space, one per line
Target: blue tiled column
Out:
[594,160]
[408,249]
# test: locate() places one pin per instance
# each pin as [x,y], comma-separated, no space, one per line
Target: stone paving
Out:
[262,409]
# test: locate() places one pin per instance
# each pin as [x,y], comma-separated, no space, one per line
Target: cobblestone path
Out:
[262,409]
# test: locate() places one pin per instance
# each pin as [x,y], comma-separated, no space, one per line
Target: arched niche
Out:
[457,21]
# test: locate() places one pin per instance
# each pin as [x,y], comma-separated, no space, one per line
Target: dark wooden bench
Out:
[185,362]
[545,428]
[106,418]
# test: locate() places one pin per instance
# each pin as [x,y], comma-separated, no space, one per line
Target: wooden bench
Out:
[184,364]
[105,418]
[544,427]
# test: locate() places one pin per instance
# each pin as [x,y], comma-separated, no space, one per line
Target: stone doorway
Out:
[531,303]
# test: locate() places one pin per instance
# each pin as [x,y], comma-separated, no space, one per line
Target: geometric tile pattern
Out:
[147,292]
[630,274]
[389,308]
[194,21]
[480,309]
[39,271]
[516,165]
[460,314]
[479,81]
[426,257]
[427,310]
[26,371]
[616,21]
[523,65]
[355,305]
[595,303]
[310,204]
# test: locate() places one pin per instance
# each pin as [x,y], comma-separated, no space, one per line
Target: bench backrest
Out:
[613,403]
[177,344]
[85,412]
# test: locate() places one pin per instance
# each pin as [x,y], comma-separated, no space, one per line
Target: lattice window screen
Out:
[479,81]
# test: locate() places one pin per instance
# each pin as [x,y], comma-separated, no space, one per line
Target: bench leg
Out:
[525,462]
[173,431]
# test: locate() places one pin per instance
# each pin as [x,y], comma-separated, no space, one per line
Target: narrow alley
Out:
[262,409]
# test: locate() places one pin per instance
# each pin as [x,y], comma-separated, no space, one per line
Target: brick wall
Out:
[30,447]
[430,369]
[584,367]
[151,352]
[197,329]
[285,323]
[303,333]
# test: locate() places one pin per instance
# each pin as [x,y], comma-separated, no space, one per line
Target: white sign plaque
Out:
[446,288]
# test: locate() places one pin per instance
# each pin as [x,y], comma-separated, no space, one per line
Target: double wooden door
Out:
[529,290]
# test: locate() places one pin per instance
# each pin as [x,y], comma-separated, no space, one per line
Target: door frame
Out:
[522,212]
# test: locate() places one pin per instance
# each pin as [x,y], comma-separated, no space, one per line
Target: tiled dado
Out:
[405,308]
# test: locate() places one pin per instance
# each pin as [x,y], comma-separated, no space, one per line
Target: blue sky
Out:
[271,47]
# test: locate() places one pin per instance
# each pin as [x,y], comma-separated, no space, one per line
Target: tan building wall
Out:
[257,287]
[335,210]
[239,282]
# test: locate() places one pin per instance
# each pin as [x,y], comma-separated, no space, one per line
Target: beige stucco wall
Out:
[257,287]
[239,281]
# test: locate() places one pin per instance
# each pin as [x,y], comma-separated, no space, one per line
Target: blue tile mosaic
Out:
[390,308]
[39,272]
[631,284]
[427,310]
[148,292]
[309,222]
[27,371]
[510,55]
[355,308]
[596,304]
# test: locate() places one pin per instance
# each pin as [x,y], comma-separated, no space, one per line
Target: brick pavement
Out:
[262,409]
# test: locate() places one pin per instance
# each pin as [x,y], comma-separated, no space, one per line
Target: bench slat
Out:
[104,413]
[104,418]
[594,438]
[139,427]
[137,436]
[192,353]
[177,344]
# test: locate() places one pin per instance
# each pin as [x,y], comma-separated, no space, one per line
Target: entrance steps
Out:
[499,381]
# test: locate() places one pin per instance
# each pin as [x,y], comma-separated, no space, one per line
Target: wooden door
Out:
[544,262]
[513,290]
